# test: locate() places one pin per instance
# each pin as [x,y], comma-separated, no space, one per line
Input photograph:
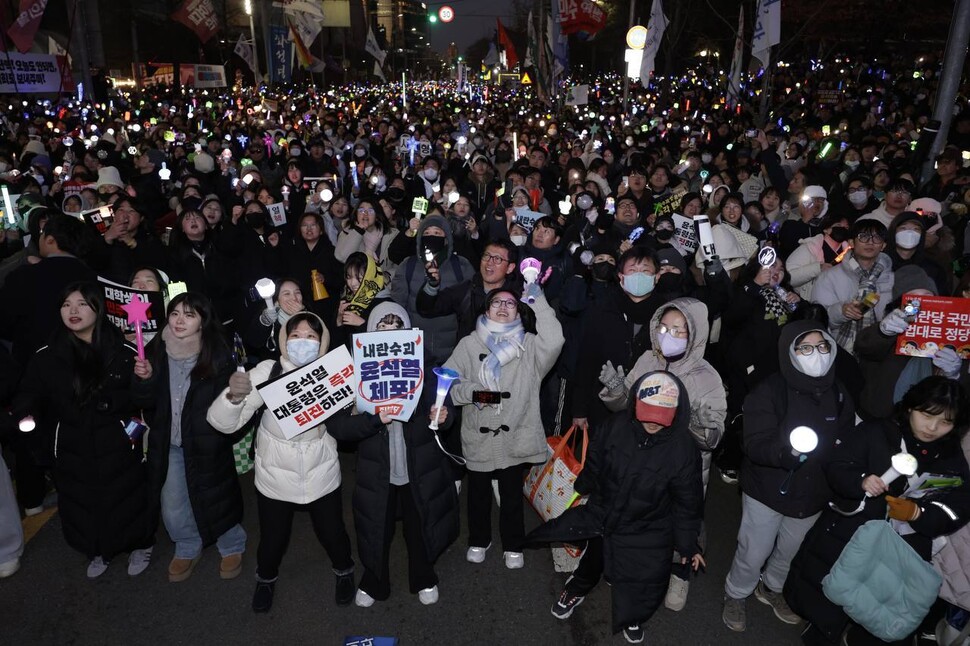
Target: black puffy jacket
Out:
[645,499]
[210,469]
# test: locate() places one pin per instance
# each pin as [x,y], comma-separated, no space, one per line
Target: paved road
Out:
[51,602]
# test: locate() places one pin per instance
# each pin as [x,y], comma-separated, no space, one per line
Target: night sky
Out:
[473,20]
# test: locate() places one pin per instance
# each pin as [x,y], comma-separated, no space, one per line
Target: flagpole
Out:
[252,32]
[626,77]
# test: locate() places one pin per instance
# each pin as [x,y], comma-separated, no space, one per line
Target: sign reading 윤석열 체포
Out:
[390,372]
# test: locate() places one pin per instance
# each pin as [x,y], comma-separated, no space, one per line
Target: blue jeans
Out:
[180,521]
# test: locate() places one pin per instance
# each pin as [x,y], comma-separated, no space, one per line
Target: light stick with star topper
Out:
[137,311]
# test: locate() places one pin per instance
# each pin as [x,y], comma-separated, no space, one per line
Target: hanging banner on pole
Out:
[202,76]
[767,29]
[24,28]
[199,16]
[23,73]
[281,55]
[244,50]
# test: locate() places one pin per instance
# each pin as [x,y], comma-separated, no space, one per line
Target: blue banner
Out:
[281,61]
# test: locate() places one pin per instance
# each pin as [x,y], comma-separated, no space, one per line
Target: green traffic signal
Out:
[432,18]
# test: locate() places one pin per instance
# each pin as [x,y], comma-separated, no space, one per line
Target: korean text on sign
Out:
[390,371]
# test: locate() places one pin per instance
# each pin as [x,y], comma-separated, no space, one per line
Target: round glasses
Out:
[806,349]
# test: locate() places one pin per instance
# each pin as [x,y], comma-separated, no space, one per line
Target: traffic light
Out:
[432,17]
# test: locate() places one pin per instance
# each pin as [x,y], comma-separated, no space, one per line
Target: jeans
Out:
[766,539]
[11,531]
[180,520]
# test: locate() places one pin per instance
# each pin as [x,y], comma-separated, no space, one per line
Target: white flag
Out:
[530,53]
[655,32]
[734,79]
[245,51]
[578,95]
[767,29]
[372,48]
[379,72]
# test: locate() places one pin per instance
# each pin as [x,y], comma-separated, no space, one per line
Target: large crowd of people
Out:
[687,351]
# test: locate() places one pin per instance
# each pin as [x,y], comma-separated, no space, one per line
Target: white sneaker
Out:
[138,561]
[97,567]
[428,596]
[514,560]
[676,597]
[476,554]
[363,600]
[9,568]
[34,511]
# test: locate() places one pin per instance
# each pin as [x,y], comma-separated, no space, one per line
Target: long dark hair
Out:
[213,342]
[89,358]
[935,395]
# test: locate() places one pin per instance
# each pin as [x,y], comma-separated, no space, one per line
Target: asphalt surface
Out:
[50,600]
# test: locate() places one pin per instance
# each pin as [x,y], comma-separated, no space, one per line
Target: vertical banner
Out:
[655,32]
[390,370]
[767,29]
[734,79]
[24,28]
[280,63]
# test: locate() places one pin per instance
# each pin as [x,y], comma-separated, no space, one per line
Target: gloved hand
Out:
[269,316]
[240,385]
[703,417]
[902,509]
[894,323]
[948,361]
[712,268]
[613,378]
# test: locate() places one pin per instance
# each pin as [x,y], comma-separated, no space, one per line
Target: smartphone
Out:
[751,134]
[610,205]
[626,181]
[486,397]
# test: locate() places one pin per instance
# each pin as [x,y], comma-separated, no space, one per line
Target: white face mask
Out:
[431,174]
[519,241]
[295,152]
[302,351]
[706,158]
[815,364]
[908,239]
[858,198]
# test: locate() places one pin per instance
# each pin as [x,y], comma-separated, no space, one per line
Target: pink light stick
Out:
[137,311]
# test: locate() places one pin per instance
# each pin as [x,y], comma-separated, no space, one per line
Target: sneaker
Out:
[777,602]
[676,597]
[428,596]
[138,561]
[363,599]
[729,476]
[566,603]
[263,597]
[181,569]
[97,567]
[34,511]
[734,614]
[230,566]
[344,589]
[514,560]
[476,554]
[9,568]
[633,634]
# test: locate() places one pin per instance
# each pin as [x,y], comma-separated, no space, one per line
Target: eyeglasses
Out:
[867,236]
[366,211]
[901,191]
[504,303]
[680,332]
[492,259]
[806,349]
[858,189]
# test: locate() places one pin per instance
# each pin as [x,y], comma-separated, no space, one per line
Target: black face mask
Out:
[395,194]
[839,234]
[663,235]
[255,220]
[602,270]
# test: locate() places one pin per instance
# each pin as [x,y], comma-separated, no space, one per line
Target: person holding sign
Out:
[77,390]
[502,364]
[401,471]
[301,473]
[191,468]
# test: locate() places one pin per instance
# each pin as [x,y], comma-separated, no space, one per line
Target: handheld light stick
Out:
[530,268]
[239,351]
[27,424]
[164,173]
[265,287]
[515,146]
[705,236]
[903,464]
[453,197]
[285,191]
[326,195]
[7,206]
[137,311]
[803,440]
[446,377]
[565,206]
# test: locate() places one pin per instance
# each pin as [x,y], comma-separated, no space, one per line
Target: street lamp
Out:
[248,6]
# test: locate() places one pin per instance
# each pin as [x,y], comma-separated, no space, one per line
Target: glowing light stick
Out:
[7,206]
[27,424]
[446,377]
[803,440]
[265,287]
[137,311]
[903,464]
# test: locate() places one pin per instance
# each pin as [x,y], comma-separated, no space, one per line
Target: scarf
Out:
[504,343]
[775,308]
[372,242]
[867,283]
[180,349]
[370,285]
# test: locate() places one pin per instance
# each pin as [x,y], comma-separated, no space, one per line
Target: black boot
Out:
[263,596]
[346,588]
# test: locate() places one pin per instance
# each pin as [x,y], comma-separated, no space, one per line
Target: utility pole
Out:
[626,77]
[79,45]
[956,54]
[135,60]
[248,6]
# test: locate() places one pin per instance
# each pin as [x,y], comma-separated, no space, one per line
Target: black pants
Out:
[276,523]
[29,476]
[511,522]
[421,574]
[587,574]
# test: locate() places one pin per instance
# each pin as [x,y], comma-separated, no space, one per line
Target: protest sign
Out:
[309,395]
[684,233]
[942,321]
[390,370]
[204,76]
[116,296]
[278,213]
[671,203]
[100,218]
[23,73]
[526,217]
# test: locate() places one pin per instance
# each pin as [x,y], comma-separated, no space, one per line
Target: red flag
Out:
[24,28]
[199,16]
[506,43]
[580,16]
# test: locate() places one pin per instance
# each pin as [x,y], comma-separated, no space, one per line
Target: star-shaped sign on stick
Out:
[137,311]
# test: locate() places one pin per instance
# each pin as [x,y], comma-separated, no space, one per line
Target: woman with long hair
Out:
[77,389]
[192,471]
[368,230]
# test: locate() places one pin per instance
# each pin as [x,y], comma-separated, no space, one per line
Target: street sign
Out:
[446,14]
[526,79]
